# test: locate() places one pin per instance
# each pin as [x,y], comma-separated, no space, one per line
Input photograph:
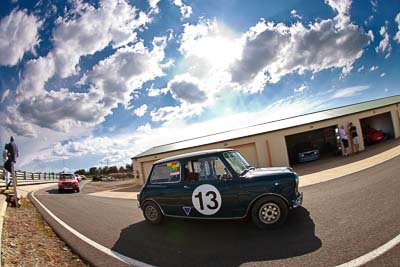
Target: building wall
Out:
[269,149]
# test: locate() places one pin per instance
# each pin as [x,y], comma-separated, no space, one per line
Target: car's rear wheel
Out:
[269,212]
[152,212]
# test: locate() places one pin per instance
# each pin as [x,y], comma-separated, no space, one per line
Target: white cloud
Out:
[173,113]
[360,69]
[215,58]
[342,7]
[15,123]
[85,32]
[186,11]
[374,68]
[397,36]
[382,74]
[301,88]
[111,82]
[35,75]
[272,51]
[6,93]
[187,89]
[62,110]
[371,35]
[294,14]
[350,91]
[374,4]
[208,49]
[112,23]
[153,92]
[384,45]
[153,3]
[140,111]
[18,34]
[114,80]
[116,77]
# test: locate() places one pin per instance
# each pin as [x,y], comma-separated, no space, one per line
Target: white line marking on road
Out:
[94,244]
[373,254]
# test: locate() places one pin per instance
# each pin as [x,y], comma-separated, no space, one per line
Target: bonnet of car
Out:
[273,171]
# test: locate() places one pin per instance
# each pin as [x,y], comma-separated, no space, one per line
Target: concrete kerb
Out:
[3,207]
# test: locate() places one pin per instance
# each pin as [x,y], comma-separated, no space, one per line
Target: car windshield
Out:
[237,162]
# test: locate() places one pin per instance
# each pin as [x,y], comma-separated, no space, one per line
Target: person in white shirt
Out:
[345,140]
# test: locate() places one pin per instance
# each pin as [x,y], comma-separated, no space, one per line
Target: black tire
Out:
[60,191]
[77,190]
[269,212]
[152,212]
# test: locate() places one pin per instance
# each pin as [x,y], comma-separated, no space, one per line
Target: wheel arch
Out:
[152,200]
[248,211]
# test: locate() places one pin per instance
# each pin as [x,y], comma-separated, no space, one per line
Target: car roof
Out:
[193,154]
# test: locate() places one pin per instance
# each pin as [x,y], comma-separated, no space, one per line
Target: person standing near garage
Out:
[345,140]
[354,137]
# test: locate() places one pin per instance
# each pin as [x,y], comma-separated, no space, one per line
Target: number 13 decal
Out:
[206,199]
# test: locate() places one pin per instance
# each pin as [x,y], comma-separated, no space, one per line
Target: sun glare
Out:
[219,48]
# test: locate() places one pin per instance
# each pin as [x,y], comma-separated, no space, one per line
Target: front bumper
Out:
[298,201]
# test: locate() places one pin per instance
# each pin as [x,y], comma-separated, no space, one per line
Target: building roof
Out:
[273,126]
[193,154]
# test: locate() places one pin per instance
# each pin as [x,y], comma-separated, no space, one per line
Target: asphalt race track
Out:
[340,220]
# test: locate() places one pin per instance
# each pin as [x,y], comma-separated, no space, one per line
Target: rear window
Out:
[169,172]
[66,176]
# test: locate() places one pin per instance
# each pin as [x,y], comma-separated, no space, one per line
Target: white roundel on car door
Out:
[206,199]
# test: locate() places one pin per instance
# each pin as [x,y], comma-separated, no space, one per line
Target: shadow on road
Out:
[52,191]
[217,243]
[55,191]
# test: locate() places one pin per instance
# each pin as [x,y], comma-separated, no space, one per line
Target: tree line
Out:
[106,170]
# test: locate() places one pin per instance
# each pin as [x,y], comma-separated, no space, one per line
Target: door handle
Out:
[186,187]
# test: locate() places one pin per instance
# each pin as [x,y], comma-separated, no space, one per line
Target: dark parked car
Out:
[372,136]
[219,184]
[68,182]
[305,152]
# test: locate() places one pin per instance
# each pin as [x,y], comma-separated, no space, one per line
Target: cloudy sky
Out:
[86,83]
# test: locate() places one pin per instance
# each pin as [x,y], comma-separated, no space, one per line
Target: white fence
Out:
[32,176]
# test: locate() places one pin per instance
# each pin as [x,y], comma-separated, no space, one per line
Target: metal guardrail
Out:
[23,175]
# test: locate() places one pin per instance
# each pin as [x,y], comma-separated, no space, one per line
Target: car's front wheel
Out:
[152,212]
[269,212]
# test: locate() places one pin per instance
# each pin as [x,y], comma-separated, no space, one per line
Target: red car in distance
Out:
[372,136]
[68,182]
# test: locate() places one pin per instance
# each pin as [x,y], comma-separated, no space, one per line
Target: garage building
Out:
[276,143]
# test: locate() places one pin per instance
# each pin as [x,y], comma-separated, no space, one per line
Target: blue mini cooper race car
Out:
[218,184]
